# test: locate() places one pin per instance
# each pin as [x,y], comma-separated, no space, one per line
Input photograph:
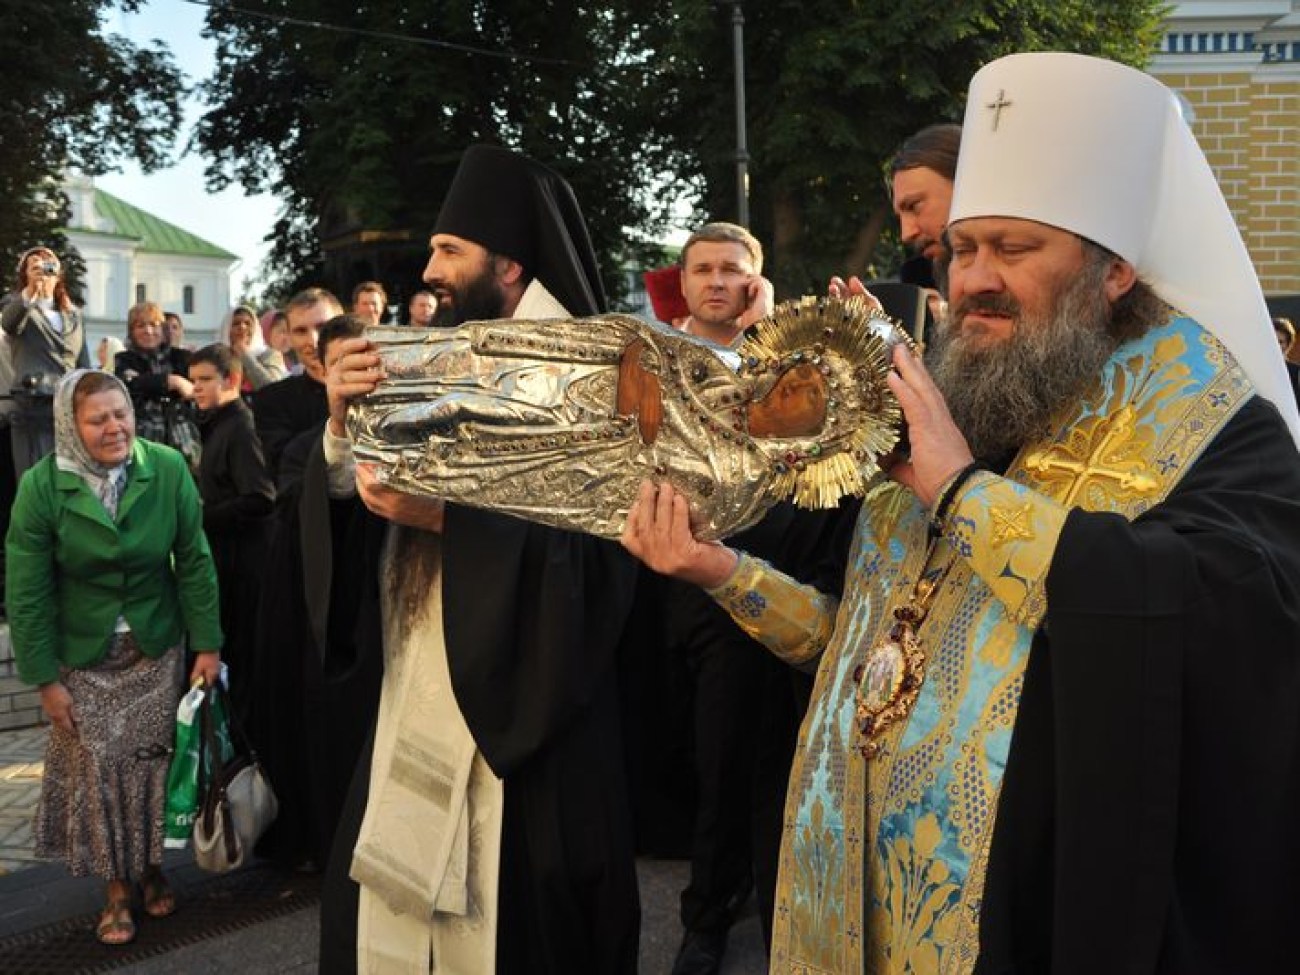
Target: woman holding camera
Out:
[48,340]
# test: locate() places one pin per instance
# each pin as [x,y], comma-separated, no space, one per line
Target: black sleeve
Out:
[275,426]
[12,310]
[539,617]
[251,496]
[811,546]
[83,357]
[1155,763]
[140,382]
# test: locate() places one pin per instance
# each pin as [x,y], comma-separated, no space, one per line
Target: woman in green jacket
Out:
[108,570]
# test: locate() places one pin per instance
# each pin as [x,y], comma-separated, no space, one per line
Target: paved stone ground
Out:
[22,754]
[44,895]
[289,944]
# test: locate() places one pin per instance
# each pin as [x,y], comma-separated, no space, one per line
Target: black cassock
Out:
[533,618]
[238,498]
[1148,816]
[283,411]
[319,663]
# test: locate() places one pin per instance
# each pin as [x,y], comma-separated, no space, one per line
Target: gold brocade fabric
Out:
[883,862]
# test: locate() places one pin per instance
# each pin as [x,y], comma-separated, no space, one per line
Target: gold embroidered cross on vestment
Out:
[1105,452]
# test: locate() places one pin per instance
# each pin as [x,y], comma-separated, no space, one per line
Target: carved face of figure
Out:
[795,406]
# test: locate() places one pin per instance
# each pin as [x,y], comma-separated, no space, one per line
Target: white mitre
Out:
[1102,150]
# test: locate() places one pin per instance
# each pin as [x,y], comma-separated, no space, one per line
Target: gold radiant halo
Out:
[851,341]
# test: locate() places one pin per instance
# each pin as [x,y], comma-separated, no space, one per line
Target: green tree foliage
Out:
[834,86]
[355,116]
[74,97]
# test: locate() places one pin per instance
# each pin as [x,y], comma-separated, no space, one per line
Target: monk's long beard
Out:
[1005,395]
[478,300]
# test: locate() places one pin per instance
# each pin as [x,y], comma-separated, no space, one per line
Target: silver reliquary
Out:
[559,421]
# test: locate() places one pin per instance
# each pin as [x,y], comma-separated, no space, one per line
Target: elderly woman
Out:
[47,339]
[262,365]
[109,571]
[157,377]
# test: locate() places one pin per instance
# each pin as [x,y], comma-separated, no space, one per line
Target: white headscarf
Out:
[1102,150]
[258,344]
[70,453]
[115,345]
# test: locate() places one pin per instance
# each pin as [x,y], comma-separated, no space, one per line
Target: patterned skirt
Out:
[102,795]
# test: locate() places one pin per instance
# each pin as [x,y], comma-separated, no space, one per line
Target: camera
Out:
[50,268]
[37,384]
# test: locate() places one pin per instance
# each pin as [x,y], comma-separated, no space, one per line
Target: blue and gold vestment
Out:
[884,862]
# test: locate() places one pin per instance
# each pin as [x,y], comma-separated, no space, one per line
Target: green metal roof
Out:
[155,234]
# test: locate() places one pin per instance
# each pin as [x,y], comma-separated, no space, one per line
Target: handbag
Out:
[236,802]
[181,431]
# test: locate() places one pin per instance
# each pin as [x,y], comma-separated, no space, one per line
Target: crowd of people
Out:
[1028,705]
[124,574]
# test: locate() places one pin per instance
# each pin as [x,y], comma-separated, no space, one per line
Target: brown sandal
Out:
[116,926]
[159,898]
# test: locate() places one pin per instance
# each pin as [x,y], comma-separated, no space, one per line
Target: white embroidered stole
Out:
[428,853]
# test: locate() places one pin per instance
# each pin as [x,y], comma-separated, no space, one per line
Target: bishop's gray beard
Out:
[1005,395]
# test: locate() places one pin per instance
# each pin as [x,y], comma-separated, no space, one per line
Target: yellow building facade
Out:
[1236,64]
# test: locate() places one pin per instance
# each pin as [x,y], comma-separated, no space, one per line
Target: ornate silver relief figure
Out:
[559,421]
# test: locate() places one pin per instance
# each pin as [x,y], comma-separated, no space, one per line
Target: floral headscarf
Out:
[70,452]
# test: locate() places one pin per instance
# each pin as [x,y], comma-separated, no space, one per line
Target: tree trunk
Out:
[787,229]
[864,244]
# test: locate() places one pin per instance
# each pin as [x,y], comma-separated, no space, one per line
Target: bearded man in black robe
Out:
[1054,728]
[487,829]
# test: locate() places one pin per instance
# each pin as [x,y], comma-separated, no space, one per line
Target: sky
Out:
[230,219]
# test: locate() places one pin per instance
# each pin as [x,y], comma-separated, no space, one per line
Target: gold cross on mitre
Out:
[997,106]
[1106,453]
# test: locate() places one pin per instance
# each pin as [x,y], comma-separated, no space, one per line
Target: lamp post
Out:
[742,151]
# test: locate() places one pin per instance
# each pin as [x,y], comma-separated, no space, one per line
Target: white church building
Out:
[133,256]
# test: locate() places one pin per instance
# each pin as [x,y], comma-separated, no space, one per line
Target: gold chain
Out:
[890,679]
